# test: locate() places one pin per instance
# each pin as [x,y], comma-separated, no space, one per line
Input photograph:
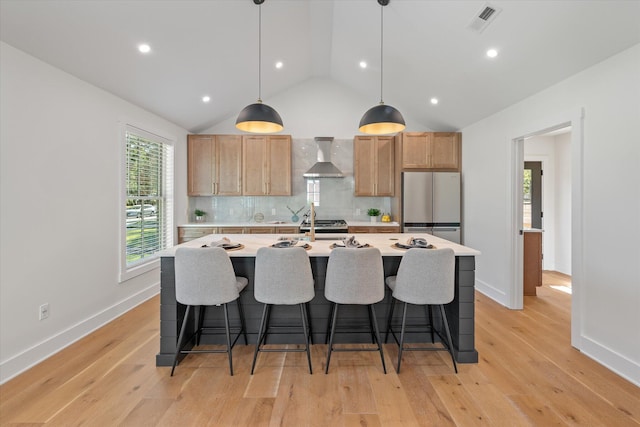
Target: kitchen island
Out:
[460,311]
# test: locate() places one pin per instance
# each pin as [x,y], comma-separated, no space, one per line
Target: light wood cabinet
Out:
[259,230]
[214,165]
[532,265]
[266,165]
[186,234]
[374,229]
[431,150]
[374,158]
[231,230]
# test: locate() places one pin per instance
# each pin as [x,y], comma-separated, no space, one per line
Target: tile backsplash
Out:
[336,194]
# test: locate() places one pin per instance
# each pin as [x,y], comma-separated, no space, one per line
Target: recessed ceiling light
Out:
[363,64]
[279,64]
[144,48]
[434,101]
[206,98]
[492,53]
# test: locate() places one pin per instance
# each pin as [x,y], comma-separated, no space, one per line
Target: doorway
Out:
[532,195]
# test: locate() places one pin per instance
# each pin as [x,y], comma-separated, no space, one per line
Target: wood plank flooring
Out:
[528,375]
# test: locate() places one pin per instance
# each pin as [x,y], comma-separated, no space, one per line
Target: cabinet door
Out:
[385,159]
[373,158]
[359,229]
[228,165]
[445,150]
[254,161]
[200,160]
[186,234]
[230,230]
[259,230]
[364,165]
[278,166]
[416,150]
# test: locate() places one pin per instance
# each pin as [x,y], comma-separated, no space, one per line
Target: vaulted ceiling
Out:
[211,48]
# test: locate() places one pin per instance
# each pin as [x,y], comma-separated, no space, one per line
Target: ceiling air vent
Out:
[484,17]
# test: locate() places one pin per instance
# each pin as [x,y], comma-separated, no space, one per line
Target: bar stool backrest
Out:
[426,276]
[204,276]
[283,276]
[354,276]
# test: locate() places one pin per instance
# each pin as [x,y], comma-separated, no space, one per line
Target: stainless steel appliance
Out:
[325,226]
[431,204]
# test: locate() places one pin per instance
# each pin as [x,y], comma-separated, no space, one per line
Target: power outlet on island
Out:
[44,311]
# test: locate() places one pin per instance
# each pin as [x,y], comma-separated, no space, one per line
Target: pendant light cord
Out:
[381,50]
[260,53]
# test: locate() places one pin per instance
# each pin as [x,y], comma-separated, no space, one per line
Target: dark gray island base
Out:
[460,311]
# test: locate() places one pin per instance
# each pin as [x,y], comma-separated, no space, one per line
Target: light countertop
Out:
[382,241]
[281,224]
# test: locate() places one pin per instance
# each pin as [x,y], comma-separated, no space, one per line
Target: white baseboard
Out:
[617,363]
[493,293]
[47,348]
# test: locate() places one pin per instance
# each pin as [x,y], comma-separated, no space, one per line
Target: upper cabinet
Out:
[373,158]
[214,165]
[431,150]
[266,165]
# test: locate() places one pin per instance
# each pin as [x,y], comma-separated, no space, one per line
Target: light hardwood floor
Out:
[528,375]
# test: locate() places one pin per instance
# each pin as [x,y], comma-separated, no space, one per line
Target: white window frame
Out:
[150,263]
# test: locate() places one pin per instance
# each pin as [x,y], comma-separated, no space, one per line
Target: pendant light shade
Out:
[382,119]
[259,117]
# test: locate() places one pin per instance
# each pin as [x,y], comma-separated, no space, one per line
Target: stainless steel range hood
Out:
[323,167]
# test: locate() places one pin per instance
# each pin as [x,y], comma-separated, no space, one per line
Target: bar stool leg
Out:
[241,315]
[373,338]
[333,330]
[449,343]
[180,338]
[303,315]
[404,320]
[330,322]
[393,305]
[375,326]
[260,336]
[430,322]
[307,310]
[226,325]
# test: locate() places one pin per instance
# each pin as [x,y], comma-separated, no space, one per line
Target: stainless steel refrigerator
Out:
[431,204]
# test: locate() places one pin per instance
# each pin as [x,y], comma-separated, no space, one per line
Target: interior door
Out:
[533,195]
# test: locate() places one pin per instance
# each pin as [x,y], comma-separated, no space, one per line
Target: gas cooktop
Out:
[326,225]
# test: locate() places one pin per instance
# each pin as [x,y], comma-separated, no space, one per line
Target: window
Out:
[148,200]
[313,191]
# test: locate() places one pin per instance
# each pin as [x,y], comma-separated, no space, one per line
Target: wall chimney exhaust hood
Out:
[323,167]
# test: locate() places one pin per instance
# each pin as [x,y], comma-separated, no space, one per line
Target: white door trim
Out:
[575,119]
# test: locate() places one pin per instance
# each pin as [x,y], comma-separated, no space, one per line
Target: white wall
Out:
[60,216]
[609,92]
[562,204]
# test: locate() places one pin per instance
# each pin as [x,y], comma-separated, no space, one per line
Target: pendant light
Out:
[382,119]
[259,117]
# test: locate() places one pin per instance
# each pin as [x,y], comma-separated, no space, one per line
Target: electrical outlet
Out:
[44,311]
[231,211]
[357,212]
[273,211]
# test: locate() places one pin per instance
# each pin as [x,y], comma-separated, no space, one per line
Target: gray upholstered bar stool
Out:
[425,277]
[354,277]
[205,277]
[283,277]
